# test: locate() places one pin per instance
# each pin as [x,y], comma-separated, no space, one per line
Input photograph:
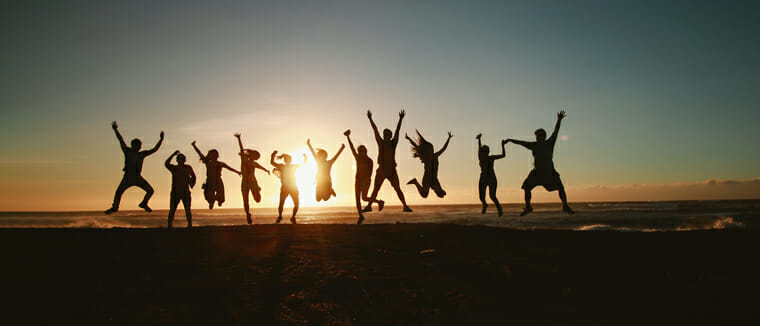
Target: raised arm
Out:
[350,144]
[478,138]
[411,140]
[526,144]
[155,148]
[445,146]
[203,158]
[168,161]
[240,142]
[398,126]
[561,115]
[378,139]
[115,128]
[503,153]
[271,160]
[342,147]
[313,153]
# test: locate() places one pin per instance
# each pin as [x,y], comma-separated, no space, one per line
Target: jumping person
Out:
[543,173]
[324,180]
[183,178]
[386,161]
[423,150]
[363,177]
[487,175]
[133,163]
[248,166]
[213,188]
[287,174]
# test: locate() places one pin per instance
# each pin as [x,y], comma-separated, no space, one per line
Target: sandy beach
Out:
[376,274]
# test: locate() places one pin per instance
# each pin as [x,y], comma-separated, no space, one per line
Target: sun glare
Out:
[305,176]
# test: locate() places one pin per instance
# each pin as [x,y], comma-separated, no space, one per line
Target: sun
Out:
[305,176]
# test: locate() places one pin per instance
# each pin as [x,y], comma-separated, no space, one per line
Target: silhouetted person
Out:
[248,166]
[423,150]
[386,161]
[363,177]
[183,178]
[133,163]
[213,188]
[324,180]
[487,175]
[287,174]
[543,173]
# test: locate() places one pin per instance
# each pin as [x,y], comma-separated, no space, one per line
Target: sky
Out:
[662,97]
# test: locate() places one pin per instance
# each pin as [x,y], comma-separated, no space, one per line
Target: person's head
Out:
[362,150]
[484,151]
[251,154]
[212,155]
[286,158]
[387,134]
[540,135]
[321,154]
[181,159]
[136,144]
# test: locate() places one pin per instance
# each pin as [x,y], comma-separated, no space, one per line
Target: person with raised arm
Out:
[423,150]
[487,175]
[386,160]
[248,166]
[543,173]
[287,174]
[324,180]
[183,178]
[363,177]
[213,188]
[133,163]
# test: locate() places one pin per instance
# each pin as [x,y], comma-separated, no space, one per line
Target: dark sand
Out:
[376,274]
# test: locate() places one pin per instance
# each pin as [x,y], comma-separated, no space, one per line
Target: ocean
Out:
[596,216]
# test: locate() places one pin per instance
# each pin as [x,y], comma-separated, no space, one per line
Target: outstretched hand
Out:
[561,115]
[504,142]
[237,135]
[450,134]
[175,153]
[308,141]
[347,132]
[402,114]
[369,114]
[162,134]
[193,143]
[478,136]
[114,125]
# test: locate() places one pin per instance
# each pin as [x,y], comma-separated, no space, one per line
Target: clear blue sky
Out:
[656,92]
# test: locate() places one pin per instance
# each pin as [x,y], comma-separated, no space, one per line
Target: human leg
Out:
[393,178]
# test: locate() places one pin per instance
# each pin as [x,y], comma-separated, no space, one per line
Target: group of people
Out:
[183,176]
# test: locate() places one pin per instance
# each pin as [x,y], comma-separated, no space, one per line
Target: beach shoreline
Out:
[376,274]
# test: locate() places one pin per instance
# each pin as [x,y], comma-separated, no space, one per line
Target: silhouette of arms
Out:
[526,144]
[191,175]
[168,161]
[155,148]
[478,138]
[342,147]
[256,165]
[271,161]
[350,144]
[378,139]
[503,153]
[445,146]
[240,143]
[203,158]
[561,115]
[115,128]
[224,165]
[398,126]
[411,140]
[313,153]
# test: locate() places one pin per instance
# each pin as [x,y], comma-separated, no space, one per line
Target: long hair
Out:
[423,149]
